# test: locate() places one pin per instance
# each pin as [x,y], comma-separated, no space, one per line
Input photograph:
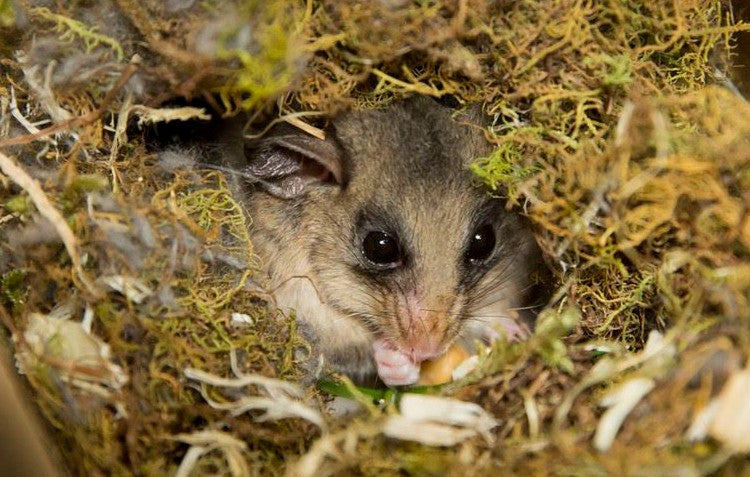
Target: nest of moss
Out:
[126,280]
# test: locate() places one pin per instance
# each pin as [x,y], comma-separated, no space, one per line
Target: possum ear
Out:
[287,163]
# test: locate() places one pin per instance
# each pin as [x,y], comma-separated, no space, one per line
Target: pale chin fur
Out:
[296,291]
[330,330]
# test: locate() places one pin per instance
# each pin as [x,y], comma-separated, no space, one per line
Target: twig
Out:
[80,120]
[15,172]
[293,119]
[308,128]
[20,117]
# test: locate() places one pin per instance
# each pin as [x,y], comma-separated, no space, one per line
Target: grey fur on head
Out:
[380,241]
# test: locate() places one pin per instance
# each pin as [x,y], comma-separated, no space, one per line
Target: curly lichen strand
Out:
[71,29]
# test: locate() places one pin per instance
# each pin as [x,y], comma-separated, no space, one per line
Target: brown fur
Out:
[405,169]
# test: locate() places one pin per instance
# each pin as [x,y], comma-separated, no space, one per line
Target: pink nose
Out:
[423,347]
[424,328]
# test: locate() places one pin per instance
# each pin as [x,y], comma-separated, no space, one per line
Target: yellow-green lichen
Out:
[71,29]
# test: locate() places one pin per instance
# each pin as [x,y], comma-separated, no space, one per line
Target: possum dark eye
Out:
[381,249]
[481,244]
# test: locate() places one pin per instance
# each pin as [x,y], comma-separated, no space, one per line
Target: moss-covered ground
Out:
[616,131]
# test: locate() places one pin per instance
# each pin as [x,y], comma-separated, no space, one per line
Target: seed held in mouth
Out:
[439,370]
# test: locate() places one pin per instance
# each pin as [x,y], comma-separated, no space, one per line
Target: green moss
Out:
[19,204]
[266,68]
[78,187]
[7,13]
[551,328]
[618,69]
[13,287]
[505,167]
